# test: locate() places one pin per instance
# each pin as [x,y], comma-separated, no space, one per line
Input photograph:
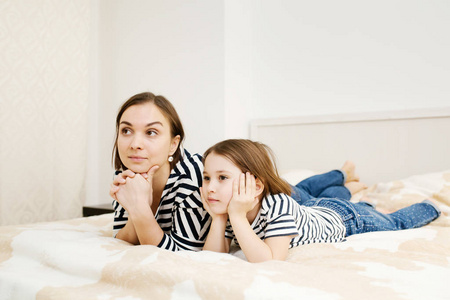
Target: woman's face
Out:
[144,138]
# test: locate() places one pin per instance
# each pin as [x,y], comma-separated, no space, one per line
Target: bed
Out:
[78,258]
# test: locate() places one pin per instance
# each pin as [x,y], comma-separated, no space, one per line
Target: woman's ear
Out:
[259,187]
[174,144]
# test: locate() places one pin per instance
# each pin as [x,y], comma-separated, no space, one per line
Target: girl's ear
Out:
[259,187]
[174,144]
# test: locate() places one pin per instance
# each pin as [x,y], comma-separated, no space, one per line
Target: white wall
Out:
[44,95]
[173,48]
[321,57]
[224,63]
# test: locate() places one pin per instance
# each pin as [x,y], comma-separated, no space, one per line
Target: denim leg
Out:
[362,217]
[413,216]
[343,208]
[327,185]
[300,195]
[340,192]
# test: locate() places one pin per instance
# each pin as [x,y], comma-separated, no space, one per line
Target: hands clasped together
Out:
[133,190]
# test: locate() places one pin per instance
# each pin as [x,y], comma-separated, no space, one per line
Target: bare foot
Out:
[349,169]
[355,187]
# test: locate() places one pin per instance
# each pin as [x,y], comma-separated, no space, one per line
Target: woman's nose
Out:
[136,143]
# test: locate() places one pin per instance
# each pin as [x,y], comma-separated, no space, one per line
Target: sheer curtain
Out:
[44,84]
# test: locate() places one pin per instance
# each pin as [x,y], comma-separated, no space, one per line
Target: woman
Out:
[156,192]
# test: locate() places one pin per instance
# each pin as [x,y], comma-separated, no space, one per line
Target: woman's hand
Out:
[119,180]
[135,190]
[244,195]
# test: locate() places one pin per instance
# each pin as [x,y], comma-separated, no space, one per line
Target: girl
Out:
[156,196]
[250,203]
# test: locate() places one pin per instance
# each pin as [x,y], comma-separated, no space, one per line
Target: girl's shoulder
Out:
[281,203]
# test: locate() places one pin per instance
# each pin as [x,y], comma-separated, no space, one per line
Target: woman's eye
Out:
[151,132]
[125,131]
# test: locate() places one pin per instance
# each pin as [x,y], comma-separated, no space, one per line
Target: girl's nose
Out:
[210,188]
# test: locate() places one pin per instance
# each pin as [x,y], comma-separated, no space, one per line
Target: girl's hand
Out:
[223,217]
[244,195]
[120,179]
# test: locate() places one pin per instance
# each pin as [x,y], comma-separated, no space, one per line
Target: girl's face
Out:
[218,175]
[144,138]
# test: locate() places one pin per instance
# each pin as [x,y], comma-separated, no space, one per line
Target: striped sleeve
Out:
[281,218]
[120,217]
[180,214]
[189,222]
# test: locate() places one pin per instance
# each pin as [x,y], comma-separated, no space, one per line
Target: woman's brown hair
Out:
[253,157]
[166,108]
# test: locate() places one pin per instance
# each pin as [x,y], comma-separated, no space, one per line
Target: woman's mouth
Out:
[137,158]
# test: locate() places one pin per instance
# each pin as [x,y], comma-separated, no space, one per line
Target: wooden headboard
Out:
[385,146]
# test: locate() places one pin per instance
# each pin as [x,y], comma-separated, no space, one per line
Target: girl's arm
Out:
[216,240]
[253,247]
[242,202]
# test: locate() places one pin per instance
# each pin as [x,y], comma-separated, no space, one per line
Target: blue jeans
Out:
[327,185]
[362,217]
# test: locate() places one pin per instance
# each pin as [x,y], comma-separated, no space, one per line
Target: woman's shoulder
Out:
[189,168]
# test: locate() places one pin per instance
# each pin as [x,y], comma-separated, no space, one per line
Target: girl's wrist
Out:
[238,216]
[220,219]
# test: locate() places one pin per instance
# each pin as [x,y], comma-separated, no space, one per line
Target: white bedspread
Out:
[78,259]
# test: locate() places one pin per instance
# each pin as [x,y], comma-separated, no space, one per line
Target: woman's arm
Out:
[185,222]
[128,233]
[135,197]
[146,228]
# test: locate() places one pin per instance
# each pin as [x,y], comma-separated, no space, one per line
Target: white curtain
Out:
[44,84]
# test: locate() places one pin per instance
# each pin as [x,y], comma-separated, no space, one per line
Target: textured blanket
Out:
[78,259]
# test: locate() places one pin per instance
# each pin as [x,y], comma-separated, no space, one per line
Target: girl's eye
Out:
[222,177]
[206,178]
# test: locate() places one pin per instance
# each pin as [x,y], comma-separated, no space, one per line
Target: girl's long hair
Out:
[253,157]
[166,108]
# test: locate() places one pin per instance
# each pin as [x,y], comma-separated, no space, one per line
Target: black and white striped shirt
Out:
[180,213]
[280,215]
